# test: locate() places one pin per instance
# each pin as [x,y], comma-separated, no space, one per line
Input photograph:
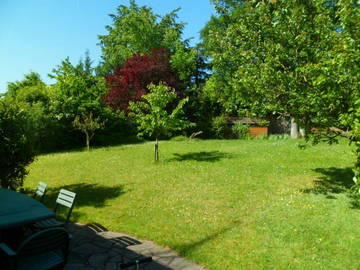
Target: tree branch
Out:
[340,132]
[332,130]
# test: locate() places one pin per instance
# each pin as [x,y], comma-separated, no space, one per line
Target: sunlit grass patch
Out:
[253,204]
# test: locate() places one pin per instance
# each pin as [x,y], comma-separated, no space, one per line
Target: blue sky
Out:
[35,35]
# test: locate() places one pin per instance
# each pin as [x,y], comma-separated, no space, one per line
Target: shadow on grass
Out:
[187,249]
[332,181]
[94,146]
[93,195]
[209,156]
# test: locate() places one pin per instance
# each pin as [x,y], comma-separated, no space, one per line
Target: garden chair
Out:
[41,251]
[65,198]
[40,190]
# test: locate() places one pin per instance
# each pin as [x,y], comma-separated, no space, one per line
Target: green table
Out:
[17,209]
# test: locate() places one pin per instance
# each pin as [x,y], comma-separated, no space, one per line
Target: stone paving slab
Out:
[92,247]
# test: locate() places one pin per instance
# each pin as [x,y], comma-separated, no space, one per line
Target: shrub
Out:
[263,123]
[241,131]
[16,148]
[220,127]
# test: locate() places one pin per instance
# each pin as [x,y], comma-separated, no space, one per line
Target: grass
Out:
[254,204]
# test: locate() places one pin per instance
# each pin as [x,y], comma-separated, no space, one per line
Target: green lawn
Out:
[258,204]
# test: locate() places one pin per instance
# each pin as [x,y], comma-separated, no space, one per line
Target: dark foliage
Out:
[16,148]
[130,82]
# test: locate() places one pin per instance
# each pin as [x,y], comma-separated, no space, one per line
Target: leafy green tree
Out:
[33,96]
[295,58]
[200,109]
[16,148]
[77,91]
[154,115]
[138,30]
[88,125]
[31,79]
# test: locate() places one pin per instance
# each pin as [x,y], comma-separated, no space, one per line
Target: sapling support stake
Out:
[156,154]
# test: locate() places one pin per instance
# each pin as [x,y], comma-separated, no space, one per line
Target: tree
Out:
[295,58]
[200,109]
[31,79]
[86,124]
[77,91]
[154,115]
[130,82]
[138,30]
[16,149]
[33,96]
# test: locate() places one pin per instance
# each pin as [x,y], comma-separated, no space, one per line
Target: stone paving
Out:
[92,247]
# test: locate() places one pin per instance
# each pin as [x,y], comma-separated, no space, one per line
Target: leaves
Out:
[137,30]
[130,82]
[154,115]
[285,57]
[88,125]
[77,90]
[297,58]
[16,148]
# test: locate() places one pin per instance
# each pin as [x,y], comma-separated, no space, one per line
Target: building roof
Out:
[247,120]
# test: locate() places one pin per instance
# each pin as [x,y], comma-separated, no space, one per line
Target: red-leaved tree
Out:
[129,82]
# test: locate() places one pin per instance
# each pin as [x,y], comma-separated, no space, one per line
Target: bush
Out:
[200,110]
[241,131]
[48,134]
[16,148]
[220,128]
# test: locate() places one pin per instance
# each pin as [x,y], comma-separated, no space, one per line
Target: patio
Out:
[93,248]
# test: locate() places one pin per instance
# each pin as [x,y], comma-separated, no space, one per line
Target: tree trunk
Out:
[87,141]
[156,154]
[302,132]
[294,130]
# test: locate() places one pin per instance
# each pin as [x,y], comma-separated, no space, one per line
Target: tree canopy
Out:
[77,89]
[138,30]
[130,82]
[155,116]
[295,58]
[30,80]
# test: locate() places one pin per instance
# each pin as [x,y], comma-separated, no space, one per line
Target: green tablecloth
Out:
[17,209]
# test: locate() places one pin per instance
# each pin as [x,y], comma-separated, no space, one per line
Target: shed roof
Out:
[248,120]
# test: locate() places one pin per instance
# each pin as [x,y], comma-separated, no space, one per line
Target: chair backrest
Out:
[40,190]
[66,198]
[44,241]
